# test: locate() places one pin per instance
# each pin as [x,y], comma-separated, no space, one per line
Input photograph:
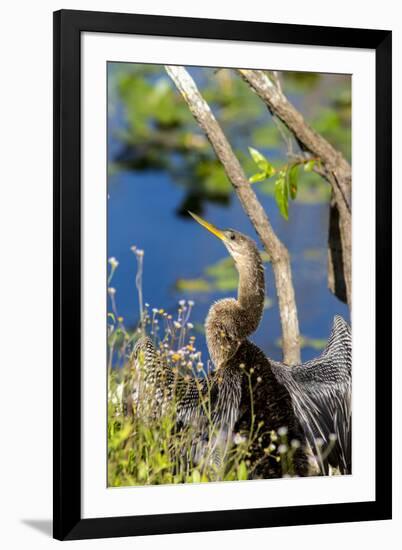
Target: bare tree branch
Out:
[336,280]
[251,205]
[335,168]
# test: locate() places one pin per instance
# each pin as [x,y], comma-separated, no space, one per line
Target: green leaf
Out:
[242,471]
[258,158]
[260,176]
[263,163]
[308,167]
[281,196]
[142,471]
[196,476]
[292,175]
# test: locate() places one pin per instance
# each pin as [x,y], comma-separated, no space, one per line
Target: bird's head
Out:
[240,247]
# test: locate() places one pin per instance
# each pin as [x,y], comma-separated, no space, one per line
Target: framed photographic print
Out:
[209,369]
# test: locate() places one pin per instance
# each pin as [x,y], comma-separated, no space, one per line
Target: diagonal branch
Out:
[251,205]
[308,138]
[335,168]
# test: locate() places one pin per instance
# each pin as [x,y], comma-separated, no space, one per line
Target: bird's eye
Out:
[232,237]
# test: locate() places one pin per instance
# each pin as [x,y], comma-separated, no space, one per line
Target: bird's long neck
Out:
[251,290]
[230,322]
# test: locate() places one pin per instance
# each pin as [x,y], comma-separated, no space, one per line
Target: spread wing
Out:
[162,386]
[321,395]
[205,404]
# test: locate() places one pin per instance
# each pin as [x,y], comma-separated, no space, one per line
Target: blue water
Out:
[141,212]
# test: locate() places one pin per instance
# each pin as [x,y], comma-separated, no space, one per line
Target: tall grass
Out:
[146,443]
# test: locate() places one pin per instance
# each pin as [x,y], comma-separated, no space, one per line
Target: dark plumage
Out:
[321,396]
[249,391]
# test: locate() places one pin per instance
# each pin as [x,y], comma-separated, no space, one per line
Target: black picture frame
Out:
[68,26]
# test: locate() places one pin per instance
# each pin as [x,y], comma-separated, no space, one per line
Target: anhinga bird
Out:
[312,401]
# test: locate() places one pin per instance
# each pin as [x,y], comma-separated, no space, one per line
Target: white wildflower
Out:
[238,439]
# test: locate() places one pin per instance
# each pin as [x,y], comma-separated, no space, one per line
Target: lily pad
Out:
[221,276]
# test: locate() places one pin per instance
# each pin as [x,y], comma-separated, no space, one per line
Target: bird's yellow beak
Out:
[208,226]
